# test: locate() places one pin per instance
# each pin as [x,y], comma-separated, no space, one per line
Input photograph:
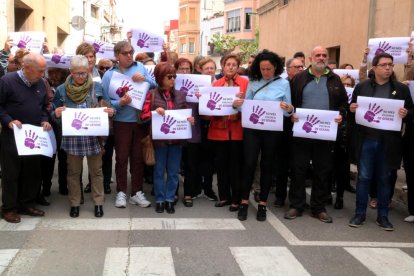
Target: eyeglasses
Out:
[128,53]
[171,77]
[384,65]
[104,68]
[80,74]
[297,67]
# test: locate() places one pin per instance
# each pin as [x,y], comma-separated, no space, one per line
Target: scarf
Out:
[77,94]
[231,81]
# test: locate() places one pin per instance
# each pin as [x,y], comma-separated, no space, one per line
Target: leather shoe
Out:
[99,211]
[11,217]
[188,202]
[74,212]
[292,213]
[350,189]
[159,207]
[323,216]
[41,200]
[169,207]
[221,203]
[34,212]
[233,208]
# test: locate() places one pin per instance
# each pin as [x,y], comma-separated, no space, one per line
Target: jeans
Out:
[372,161]
[167,158]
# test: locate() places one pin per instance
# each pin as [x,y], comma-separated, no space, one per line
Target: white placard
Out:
[144,41]
[53,140]
[395,46]
[85,122]
[150,69]
[412,40]
[316,124]
[57,60]
[217,101]
[354,73]
[263,115]
[121,84]
[32,140]
[349,92]
[379,113]
[411,86]
[173,125]
[190,84]
[102,49]
[32,41]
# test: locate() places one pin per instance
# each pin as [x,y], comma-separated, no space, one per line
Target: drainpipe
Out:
[371,19]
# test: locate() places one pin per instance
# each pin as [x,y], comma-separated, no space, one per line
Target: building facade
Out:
[189,29]
[344,27]
[240,18]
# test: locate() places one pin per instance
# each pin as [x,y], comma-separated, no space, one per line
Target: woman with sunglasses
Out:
[226,135]
[167,152]
[80,91]
[128,129]
[104,65]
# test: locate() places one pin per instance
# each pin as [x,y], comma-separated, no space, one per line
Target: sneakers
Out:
[409,219]
[140,200]
[120,201]
[210,195]
[384,223]
[261,212]
[242,214]
[357,221]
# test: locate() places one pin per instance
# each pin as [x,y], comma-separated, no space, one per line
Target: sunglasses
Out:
[171,77]
[103,68]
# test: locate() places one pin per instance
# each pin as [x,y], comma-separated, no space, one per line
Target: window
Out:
[183,46]
[183,15]
[233,21]
[247,18]
[191,45]
[94,11]
[285,2]
[192,15]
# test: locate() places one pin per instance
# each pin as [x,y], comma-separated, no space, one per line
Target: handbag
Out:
[148,152]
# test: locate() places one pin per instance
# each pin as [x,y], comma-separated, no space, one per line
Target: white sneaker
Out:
[120,201]
[409,219]
[140,200]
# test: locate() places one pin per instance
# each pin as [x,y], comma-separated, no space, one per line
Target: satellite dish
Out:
[78,22]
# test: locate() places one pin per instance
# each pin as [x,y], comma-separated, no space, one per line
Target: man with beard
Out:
[317,87]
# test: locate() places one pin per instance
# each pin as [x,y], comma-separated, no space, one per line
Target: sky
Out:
[147,14]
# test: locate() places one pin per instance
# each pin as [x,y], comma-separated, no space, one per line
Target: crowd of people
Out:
[219,144]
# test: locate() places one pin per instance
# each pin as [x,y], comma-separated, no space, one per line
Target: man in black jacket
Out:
[23,100]
[377,151]
[315,88]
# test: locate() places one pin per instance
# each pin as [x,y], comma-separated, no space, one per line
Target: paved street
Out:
[202,240]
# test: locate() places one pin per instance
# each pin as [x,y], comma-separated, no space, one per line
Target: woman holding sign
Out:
[80,91]
[265,85]
[167,152]
[227,139]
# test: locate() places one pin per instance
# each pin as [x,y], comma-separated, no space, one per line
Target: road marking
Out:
[27,224]
[384,261]
[291,238]
[267,261]
[139,261]
[141,224]
[18,262]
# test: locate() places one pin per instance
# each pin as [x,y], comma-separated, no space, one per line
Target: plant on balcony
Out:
[223,44]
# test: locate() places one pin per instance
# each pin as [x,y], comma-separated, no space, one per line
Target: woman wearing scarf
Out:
[227,139]
[80,91]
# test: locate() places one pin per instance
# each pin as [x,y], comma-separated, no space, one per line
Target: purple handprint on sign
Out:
[372,112]
[80,118]
[151,73]
[30,140]
[214,99]
[186,86]
[24,40]
[256,114]
[57,59]
[310,122]
[168,122]
[97,46]
[124,88]
[382,48]
[142,39]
